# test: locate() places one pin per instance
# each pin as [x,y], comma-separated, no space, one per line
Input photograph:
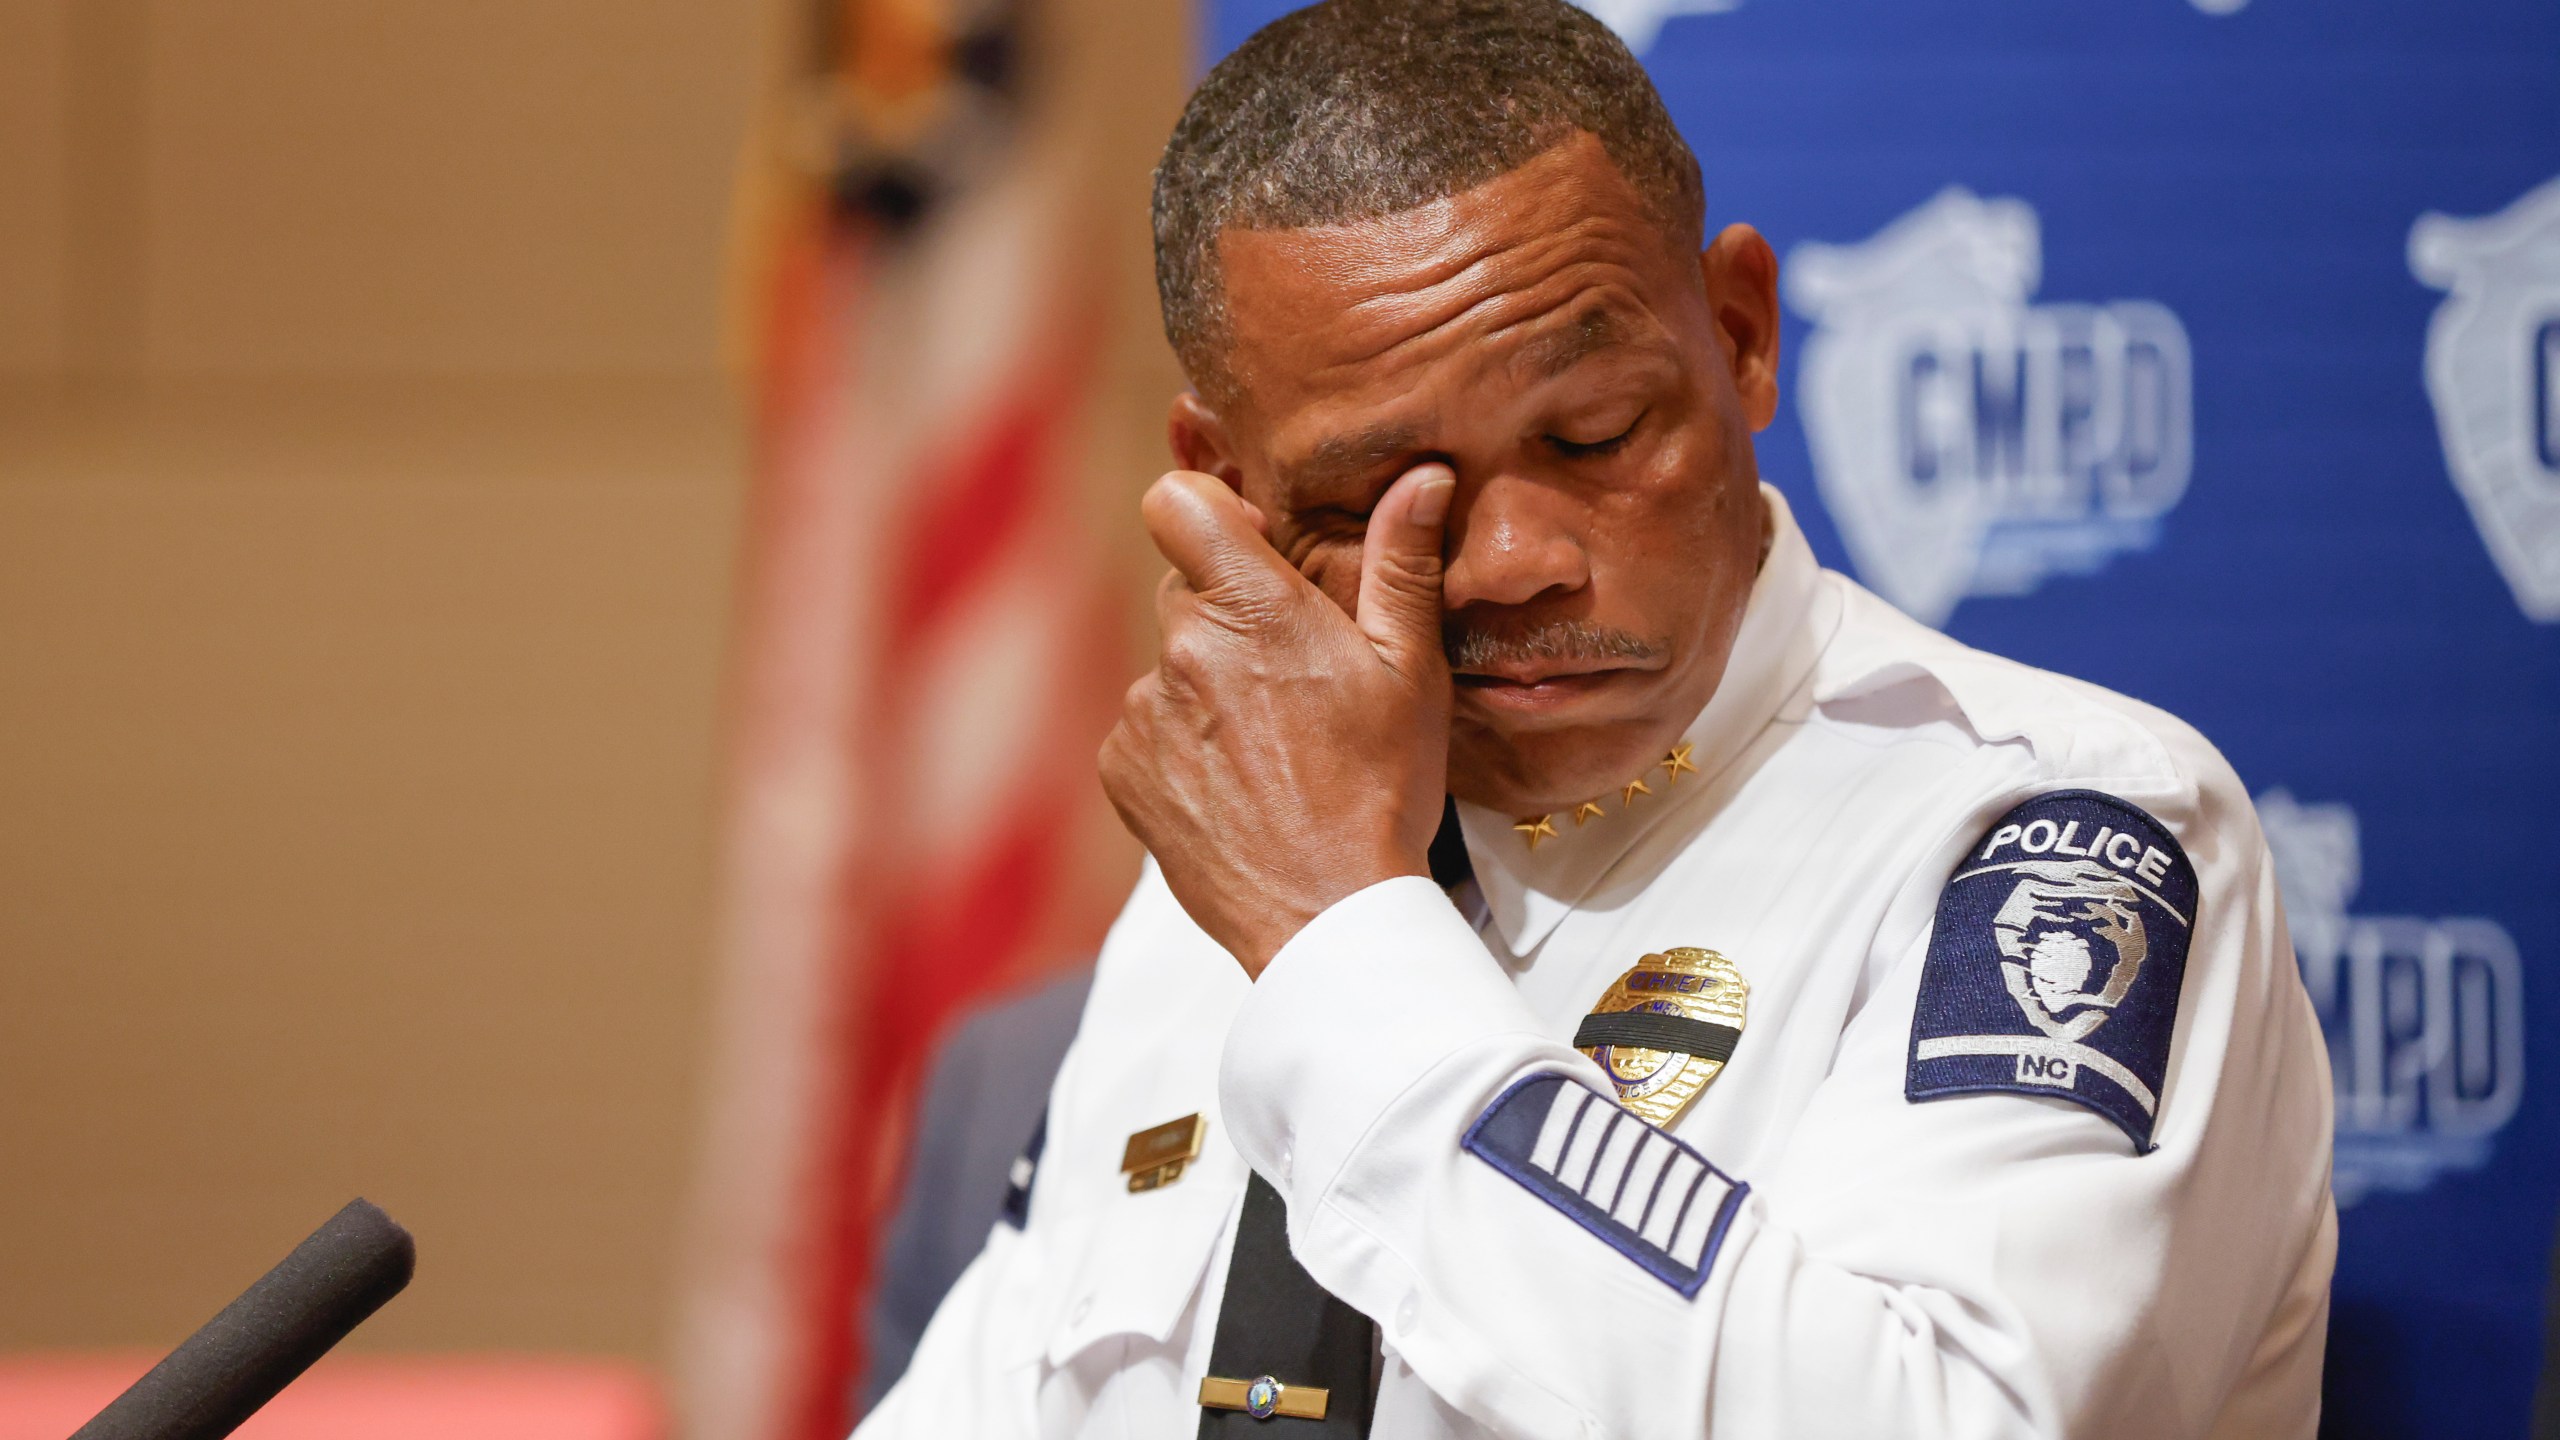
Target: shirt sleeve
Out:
[1984,1265]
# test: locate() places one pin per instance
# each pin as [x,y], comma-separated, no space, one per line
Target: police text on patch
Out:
[2054,968]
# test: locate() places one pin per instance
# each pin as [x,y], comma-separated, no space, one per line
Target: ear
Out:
[1742,290]
[1199,440]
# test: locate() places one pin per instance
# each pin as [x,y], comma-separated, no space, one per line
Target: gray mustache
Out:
[1472,648]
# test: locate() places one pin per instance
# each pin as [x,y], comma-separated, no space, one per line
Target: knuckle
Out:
[1138,714]
[1118,762]
[1185,655]
[1413,571]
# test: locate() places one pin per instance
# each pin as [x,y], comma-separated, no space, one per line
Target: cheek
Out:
[1333,566]
[1673,586]
[1679,540]
[1675,507]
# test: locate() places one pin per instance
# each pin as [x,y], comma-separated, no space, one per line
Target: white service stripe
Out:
[1678,1179]
[1623,1141]
[1641,1173]
[1691,1242]
[2038,1045]
[1585,1145]
[2155,896]
[1569,1102]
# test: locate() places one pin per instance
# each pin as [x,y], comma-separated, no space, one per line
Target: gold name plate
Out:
[1157,1157]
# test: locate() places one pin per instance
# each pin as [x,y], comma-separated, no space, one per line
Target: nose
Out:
[1511,541]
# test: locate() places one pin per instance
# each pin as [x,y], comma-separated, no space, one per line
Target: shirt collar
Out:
[1788,620]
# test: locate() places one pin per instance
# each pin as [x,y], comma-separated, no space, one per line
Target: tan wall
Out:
[368,490]
[351,841]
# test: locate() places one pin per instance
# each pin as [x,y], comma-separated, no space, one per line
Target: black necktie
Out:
[1276,1321]
[1450,867]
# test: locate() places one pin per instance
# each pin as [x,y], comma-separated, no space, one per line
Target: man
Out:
[1814,1027]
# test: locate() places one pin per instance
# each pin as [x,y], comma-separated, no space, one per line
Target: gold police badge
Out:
[1664,1031]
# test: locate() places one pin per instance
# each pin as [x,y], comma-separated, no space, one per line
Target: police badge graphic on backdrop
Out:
[2425,1014]
[2493,371]
[1967,438]
[2054,969]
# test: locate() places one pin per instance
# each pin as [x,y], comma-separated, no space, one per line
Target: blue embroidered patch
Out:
[1649,1197]
[2060,946]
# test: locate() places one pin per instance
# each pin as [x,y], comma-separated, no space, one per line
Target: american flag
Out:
[931,646]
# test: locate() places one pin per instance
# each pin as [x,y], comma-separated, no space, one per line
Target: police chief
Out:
[1599,973]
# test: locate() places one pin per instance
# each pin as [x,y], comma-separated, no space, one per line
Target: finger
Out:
[1400,571]
[1175,600]
[1122,760]
[1134,735]
[1215,540]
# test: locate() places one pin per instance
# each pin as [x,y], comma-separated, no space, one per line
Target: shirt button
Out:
[1408,1314]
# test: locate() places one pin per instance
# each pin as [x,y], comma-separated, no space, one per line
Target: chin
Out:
[1533,749]
[1528,770]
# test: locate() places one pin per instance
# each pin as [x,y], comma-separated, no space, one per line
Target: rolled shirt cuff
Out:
[1363,1003]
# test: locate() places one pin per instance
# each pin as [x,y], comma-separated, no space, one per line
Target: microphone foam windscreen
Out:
[271,1334]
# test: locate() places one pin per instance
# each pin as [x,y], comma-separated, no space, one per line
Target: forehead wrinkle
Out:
[1610,319]
[1552,350]
[1502,315]
[1534,271]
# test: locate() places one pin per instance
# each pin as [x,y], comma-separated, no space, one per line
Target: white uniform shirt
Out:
[1849,1261]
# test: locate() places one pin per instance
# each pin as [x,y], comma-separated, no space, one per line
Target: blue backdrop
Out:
[2210,350]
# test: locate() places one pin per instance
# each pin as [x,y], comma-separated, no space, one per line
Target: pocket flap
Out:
[1142,1260]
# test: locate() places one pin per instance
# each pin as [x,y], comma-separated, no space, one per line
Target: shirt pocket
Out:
[1139,1263]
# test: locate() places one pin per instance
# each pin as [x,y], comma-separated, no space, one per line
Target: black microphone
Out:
[271,1334]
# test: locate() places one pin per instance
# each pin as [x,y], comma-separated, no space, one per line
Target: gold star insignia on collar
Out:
[1677,763]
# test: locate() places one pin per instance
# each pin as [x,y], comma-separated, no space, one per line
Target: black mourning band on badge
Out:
[1652,1030]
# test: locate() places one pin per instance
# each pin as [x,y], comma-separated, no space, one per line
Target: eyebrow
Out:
[1552,352]
[1341,457]
[1547,354]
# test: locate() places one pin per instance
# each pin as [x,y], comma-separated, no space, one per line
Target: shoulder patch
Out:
[1644,1194]
[2054,968]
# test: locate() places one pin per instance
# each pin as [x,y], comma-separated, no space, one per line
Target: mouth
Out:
[1538,688]
[1562,671]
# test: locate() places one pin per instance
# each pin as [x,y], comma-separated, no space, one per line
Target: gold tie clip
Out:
[1264,1397]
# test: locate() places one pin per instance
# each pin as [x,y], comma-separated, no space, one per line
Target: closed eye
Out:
[1584,449]
[1329,523]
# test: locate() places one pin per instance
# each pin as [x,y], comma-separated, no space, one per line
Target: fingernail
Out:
[1431,499]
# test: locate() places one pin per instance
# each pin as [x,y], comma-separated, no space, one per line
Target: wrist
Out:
[1270,928]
